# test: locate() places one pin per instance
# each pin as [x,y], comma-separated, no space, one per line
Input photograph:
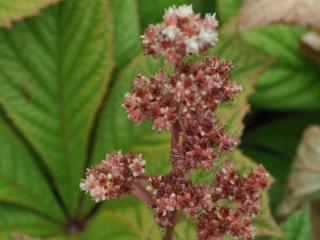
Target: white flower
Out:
[192,45]
[182,11]
[212,19]
[171,32]
[208,36]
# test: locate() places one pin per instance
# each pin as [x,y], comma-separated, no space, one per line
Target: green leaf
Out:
[297,227]
[54,72]
[134,223]
[126,28]
[21,180]
[267,41]
[292,82]
[14,10]
[20,220]
[228,9]
[248,67]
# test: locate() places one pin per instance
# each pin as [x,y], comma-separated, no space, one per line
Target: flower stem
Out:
[139,190]
[170,230]
[175,135]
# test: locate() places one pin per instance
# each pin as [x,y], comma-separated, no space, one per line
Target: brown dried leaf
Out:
[312,39]
[262,12]
[304,178]
[310,46]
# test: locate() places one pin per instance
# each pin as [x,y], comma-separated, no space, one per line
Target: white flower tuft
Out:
[171,32]
[192,45]
[182,11]
[208,36]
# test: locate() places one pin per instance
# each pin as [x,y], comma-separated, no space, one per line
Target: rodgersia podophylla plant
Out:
[184,102]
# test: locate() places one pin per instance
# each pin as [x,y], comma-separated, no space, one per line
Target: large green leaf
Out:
[53,75]
[20,220]
[13,10]
[21,181]
[293,81]
[125,223]
[126,28]
[297,227]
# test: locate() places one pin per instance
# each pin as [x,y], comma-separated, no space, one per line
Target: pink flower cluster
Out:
[187,93]
[203,140]
[184,102]
[182,32]
[171,194]
[113,176]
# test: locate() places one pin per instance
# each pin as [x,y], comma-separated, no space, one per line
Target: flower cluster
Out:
[171,194]
[184,102]
[182,32]
[203,140]
[186,93]
[113,176]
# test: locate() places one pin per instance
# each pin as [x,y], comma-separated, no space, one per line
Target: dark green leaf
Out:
[21,181]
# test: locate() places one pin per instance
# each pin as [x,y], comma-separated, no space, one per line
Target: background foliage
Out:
[64,68]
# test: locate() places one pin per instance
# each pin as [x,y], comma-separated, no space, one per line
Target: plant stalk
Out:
[170,229]
[139,190]
[175,135]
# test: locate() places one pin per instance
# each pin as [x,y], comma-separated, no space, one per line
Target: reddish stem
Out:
[170,230]
[139,190]
[175,135]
